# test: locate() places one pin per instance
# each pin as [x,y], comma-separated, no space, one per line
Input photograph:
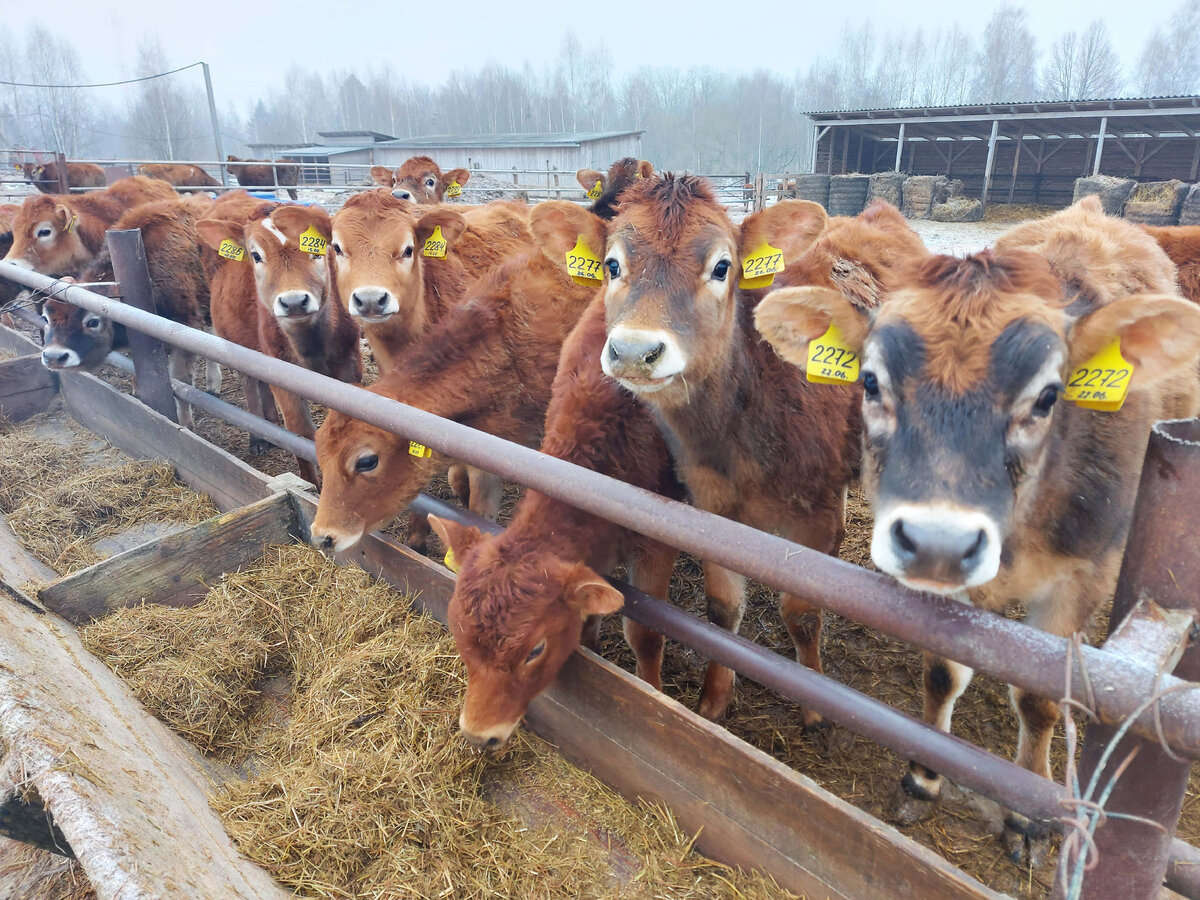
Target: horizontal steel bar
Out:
[1009,651]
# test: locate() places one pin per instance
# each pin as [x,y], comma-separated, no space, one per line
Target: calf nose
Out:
[634,351]
[55,356]
[369,301]
[483,744]
[401,194]
[323,543]
[294,303]
[937,551]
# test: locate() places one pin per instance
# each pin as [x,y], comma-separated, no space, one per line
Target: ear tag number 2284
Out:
[760,266]
[312,242]
[583,265]
[830,359]
[1102,382]
[435,246]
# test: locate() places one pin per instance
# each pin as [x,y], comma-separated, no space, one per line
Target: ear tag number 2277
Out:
[761,266]
[830,359]
[1102,382]
[583,265]
[435,246]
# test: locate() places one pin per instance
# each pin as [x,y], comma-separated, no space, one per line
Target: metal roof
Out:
[1146,104]
[375,136]
[324,150]
[527,139]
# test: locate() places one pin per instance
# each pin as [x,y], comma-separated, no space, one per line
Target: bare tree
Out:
[1170,62]
[1006,65]
[165,118]
[1082,66]
[62,109]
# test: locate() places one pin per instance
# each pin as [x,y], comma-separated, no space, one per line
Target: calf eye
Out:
[535,652]
[614,268]
[256,256]
[1045,401]
[337,248]
[44,232]
[720,270]
[870,386]
[366,463]
[92,322]
[408,252]
[429,182]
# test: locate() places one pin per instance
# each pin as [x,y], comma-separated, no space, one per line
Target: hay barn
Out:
[1027,152]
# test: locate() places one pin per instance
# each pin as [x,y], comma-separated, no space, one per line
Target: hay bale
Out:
[957,209]
[1113,192]
[848,194]
[1189,213]
[921,192]
[887,186]
[814,188]
[1156,202]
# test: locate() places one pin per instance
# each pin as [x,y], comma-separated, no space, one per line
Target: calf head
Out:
[962,369]
[516,616]
[74,338]
[378,261]
[621,175]
[46,237]
[289,268]
[419,180]
[672,262]
[369,476]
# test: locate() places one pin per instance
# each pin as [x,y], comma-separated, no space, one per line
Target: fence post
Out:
[149,354]
[1160,571]
[64,180]
[760,192]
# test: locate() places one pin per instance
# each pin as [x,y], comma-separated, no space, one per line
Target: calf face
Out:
[531,606]
[377,247]
[75,338]
[621,175]
[962,370]
[419,180]
[46,237]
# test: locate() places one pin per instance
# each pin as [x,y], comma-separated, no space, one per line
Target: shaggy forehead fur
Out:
[34,210]
[362,219]
[668,212]
[417,166]
[959,307]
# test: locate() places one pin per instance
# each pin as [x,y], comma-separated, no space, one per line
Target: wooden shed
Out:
[1025,152]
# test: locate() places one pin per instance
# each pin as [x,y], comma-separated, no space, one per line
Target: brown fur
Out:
[45,177]
[621,175]
[178,174]
[414,177]
[1182,244]
[89,216]
[263,175]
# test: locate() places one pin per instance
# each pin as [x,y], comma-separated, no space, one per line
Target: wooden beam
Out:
[899,148]
[26,387]
[1100,146]
[991,160]
[1012,187]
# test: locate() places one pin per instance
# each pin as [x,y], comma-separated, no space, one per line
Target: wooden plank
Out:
[176,570]
[121,788]
[26,387]
[17,565]
[15,342]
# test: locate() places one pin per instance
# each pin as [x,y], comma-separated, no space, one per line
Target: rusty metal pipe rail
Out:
[1006,650]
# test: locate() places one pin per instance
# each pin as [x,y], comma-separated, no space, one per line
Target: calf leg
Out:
[650,572]
[486,492]
[459,482]
[179,365]
[921,787]
[252,388]
[418,531]
[726,595]
[297,418]
[212,377]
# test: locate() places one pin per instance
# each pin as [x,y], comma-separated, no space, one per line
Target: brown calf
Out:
[489,364]
[45,176]
[1182,245]
[179,174]
[621,175]
[523,597]
[59,234]
[751,438]
[419,180]
[984,486]
[280,284]
[263,174]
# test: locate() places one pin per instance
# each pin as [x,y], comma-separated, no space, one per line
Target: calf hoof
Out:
[827,737]
[911,802]
[715,706]
[416,540]
[1025,841]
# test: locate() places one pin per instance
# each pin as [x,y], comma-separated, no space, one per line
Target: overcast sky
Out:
[249,44]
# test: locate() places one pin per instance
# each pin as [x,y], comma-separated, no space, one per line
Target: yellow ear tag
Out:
[71,224]
[230,250]
[452,563]
[454,189]
[830,359]
[419,450]
[761,266]
[637,176]
[436,245]
[583,265]
[1103,381]
[595,192]
[312,242]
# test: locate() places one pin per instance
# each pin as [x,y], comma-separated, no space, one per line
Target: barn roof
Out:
[525,139]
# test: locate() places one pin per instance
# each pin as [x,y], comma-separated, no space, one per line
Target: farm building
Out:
[553,151]
[1031,152]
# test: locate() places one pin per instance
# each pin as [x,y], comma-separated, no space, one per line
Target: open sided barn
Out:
[1028,152]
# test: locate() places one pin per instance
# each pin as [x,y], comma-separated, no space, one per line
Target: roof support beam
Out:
[991,161]
[1188,111]
[1100,146]
[899,148]
[1012,187]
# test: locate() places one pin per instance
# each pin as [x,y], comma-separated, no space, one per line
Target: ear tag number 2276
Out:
[435,246]
[1102,382]
[583,265]
[760,266]
[830,359]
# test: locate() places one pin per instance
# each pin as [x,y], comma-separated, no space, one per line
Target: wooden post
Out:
[149,355]
[858,164]
[991,162]
[216,127]
[1100,145]
[760,192]
[1195,160]
[829,159]
[1012,188]
[845,151]
[64,180]
[899,148]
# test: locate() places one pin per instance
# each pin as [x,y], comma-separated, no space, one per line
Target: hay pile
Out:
[814,188]
[921,192]
[848,194]
[1189,213]
[1156,202]
[364,788]
[62,495]
[957,209]
[887,186]
[1017,212]
[1113,192]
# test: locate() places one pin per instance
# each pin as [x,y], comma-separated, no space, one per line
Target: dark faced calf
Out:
[986,487]
[621,175]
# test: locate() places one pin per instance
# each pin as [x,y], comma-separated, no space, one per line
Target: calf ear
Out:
[558,224]
[791,226]
[459,538]
[213,231]
[383,175]
[644,169]
[298,219]
[792,317]
[451,223]
[588,177]
[589,594]
[1159,334]
[462,176]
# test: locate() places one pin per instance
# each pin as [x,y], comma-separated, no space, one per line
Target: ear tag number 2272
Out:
[435,246]
[830,359]
[1102,382]
[583,265]
[760,266]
